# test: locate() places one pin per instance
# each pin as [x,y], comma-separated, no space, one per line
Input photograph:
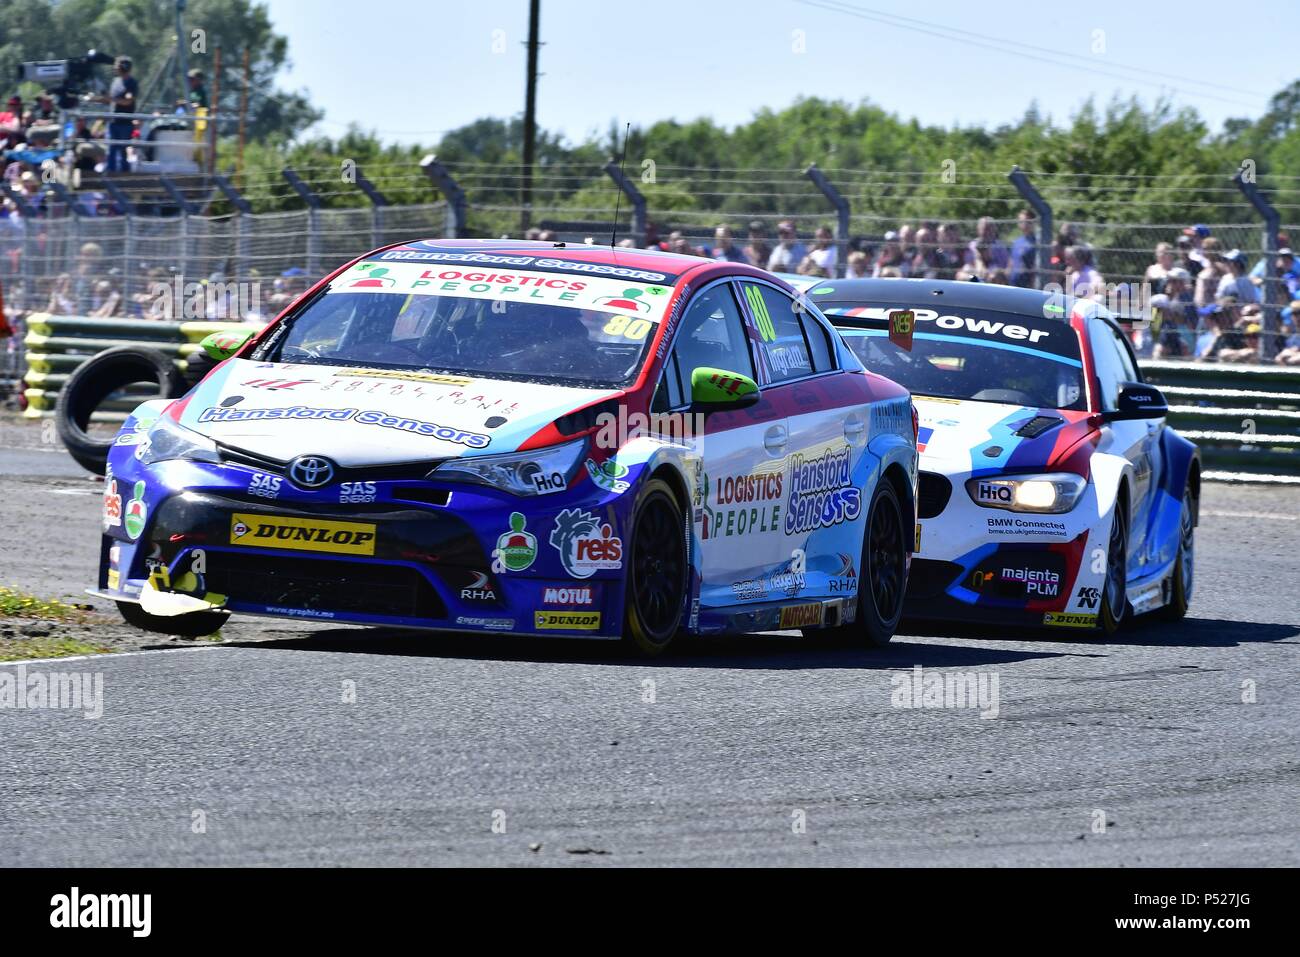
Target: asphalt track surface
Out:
[1136,752]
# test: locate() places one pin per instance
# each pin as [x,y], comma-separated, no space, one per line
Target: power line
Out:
[1008,46]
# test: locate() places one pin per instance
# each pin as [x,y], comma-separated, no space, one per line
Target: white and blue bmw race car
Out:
[1051,490]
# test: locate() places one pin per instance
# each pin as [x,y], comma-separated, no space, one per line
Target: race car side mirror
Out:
[717,390]
[1138,400]
[223,345]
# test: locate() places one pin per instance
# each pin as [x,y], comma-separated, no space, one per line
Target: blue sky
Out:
[410,70]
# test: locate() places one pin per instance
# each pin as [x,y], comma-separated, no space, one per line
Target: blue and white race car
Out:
[1052,492]
[523,438]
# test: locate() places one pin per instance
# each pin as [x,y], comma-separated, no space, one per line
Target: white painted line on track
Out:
[1271,516]
[108,656]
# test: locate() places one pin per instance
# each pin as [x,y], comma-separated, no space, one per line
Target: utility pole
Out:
[180,50]
[530,118]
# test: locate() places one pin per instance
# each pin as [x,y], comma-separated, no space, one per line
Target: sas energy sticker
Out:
[302,534]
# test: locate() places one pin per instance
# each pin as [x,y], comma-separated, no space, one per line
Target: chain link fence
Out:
[251,264]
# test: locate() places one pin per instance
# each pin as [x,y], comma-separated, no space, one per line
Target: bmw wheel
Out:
[1114,594]
[656,571]
[1180,595]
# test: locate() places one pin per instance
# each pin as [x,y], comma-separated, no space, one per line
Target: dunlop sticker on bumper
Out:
[302,534]
[567,620]
[1067,620]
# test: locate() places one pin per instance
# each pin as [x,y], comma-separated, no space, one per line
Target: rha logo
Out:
[586,545]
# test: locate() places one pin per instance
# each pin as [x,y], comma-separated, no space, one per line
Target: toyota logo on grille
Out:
[311,471]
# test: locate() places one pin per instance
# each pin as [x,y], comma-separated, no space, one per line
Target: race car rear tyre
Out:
[1114,595]
[194,625]
[656,571]
[94,381]
[1180,590]
[883,580]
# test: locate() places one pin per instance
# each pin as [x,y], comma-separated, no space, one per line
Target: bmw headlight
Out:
[168,440]
[537,472]
[1053,492]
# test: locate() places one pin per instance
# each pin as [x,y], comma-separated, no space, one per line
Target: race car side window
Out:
[819,343]
[669,394]
[712,335]
[782,339]
[1107,363]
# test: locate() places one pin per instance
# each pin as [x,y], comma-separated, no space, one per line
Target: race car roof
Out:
[947,294]
[649,265]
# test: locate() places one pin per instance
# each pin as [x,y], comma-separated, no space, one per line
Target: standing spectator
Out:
[929,257]
[951,249]
[198,92]
[907,241]
[44,111]
[1082,280]
[859,265]
[1290,352]
[1234,281]
[996,255]
[1212,270]
[89,258]
[1024,251]
[789,252]
[824,254]
[1183,255]
[122,95]
[890,256]
[726,250]
[652,240]
[11,123]
[1287,272]
[1158,270]
[1196,236]
[758,250]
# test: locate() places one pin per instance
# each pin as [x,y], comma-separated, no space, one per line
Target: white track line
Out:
[1273,516]
[108,655]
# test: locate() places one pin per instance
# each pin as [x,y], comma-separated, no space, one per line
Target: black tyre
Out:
[656,571]
[883,579]
[94,381]
[1114,593]
[194,625]
[1180,595]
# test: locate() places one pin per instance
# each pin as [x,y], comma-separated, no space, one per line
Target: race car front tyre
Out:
[883,579]
[1180,590]
[656,571]
[194,625]
[1114,593]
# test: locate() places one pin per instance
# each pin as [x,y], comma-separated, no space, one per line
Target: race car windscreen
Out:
[974,354]
[502,323]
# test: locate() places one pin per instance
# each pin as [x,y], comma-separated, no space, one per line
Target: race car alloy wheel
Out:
[194,625]
[885,574]
[1180,595]
[1114,600]
[656,586]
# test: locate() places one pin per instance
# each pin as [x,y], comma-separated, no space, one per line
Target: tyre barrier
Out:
[1245,418]
[94,381]
[57,345]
